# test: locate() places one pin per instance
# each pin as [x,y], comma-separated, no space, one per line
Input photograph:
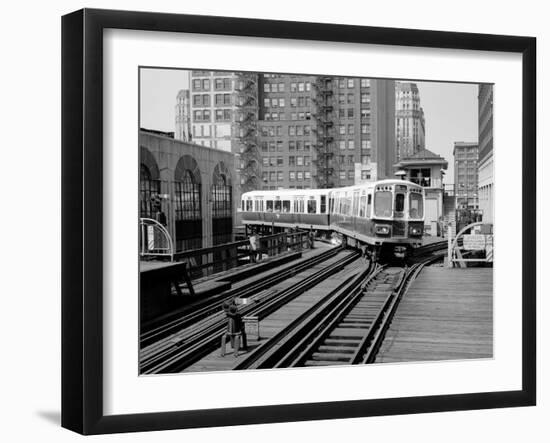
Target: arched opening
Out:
[148,187]
[187,195]
[222,205]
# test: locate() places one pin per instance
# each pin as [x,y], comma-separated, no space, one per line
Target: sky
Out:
[450,109]
[159,88]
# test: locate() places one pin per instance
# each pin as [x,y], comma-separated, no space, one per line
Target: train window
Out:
[312,206]
[355,203]
[369,204]
[399,202]
[277,205]
[242,205]
[383,203]
[286,205]
[323,204]
[269,205]
[416,206]
[362,205]
[249,205]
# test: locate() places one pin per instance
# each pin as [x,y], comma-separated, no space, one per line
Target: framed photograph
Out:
[270,221]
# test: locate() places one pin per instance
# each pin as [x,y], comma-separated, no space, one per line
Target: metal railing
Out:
[154,240]
[205,261]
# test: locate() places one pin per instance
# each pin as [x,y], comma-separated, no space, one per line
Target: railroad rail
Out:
[205,328]
[347,327]
[201,309]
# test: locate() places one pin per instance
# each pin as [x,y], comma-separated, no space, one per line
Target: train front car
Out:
[385,217]
[397,222]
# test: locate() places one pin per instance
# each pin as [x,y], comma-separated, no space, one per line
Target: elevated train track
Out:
[342,328]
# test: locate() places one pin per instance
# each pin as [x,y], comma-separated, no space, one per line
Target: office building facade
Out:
[485,162]
[466,175]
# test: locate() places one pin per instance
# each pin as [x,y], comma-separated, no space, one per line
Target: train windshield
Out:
[382,203]
[416,206]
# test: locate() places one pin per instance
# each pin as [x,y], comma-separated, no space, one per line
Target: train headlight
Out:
[382,229]
[414,230]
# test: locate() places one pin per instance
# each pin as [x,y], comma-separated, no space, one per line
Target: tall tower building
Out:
[183,116]
[466,178]
[410,125]
[485,162]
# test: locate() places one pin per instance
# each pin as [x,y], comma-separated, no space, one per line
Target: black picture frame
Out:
[82,230]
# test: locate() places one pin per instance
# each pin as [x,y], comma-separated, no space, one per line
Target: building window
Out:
[350,160]
[221,198]
[350,83]
[307,160]
[307,130]
[265,161]
[299,145]
[341,98]
[351,144]
[299,130]
[308,86]
[365,82]
[342,175]
[341,83]
[293,87]
[147,189]
[365,113]
[299,161]
[280,161]
[299,176]
[206,85]
[301,87]
[351,129]
[291,176]
[291,161]
[188,199]
[307,175]
[365,175]
[365,159]
[350,113]
[364,129]
[341,129]
[351,98]
[351,175]
[292,130]
[266,87]
[291,145]
[196,85]
[342,144]
[293,102]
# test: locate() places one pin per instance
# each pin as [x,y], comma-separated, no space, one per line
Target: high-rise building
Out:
[410,125]
[294,131]
[323,131]
[466,177]
[485,162]
[212,106]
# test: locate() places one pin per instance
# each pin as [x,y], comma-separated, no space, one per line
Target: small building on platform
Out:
[426,169]
[188,188]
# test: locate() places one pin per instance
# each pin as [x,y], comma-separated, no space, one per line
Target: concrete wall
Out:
[167,152]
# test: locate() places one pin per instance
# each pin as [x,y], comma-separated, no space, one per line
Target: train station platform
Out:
[447,314]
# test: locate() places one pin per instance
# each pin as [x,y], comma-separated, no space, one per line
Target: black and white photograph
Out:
[302,220]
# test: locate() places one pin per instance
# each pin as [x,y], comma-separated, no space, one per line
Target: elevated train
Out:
[383,217]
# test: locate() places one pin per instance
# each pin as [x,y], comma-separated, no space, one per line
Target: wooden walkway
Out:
[447,314]
[279,319]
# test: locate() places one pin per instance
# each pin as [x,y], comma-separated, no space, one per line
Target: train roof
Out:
[316,192]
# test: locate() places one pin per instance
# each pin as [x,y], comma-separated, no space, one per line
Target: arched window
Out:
[188,197]
[221,197]
[147,188]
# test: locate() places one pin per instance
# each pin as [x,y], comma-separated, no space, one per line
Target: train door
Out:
[355,210]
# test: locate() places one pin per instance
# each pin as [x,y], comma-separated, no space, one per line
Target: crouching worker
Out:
[235,329]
